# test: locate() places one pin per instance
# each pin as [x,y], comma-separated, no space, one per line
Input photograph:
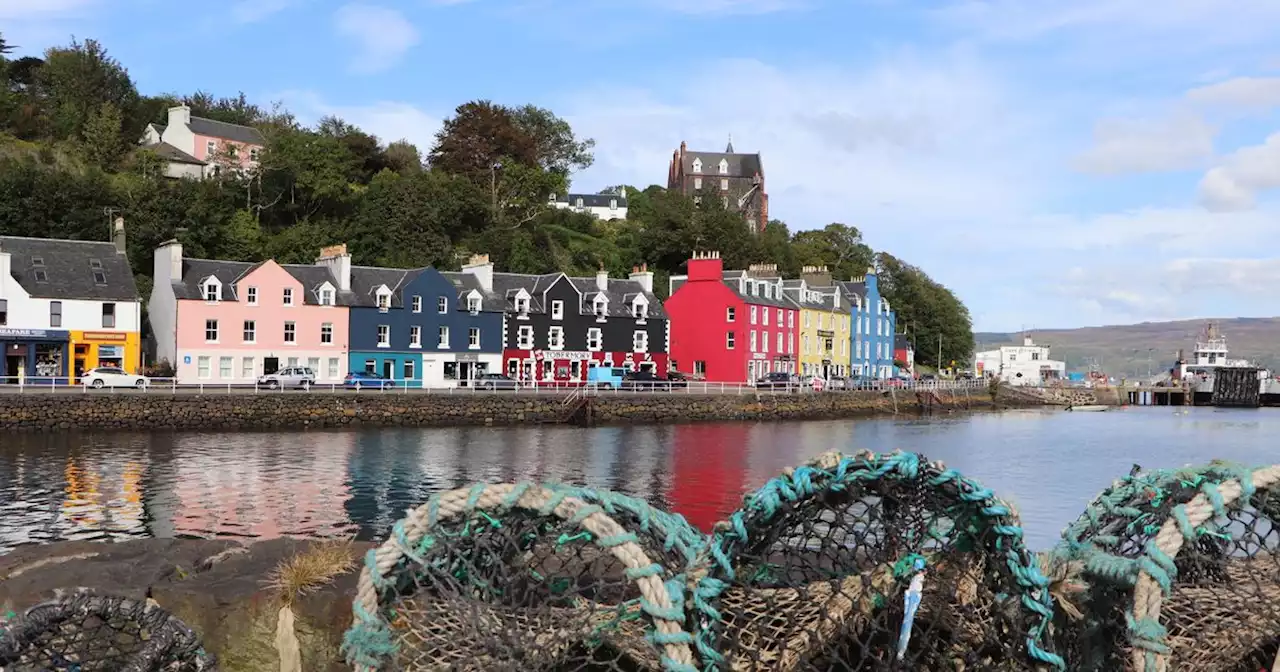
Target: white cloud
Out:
[253,11]
[1257,93]
[381,36]
[21,10]
[1234,184]
[389,120]
[1144,146]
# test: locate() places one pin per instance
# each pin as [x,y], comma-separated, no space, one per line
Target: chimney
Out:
[816,276]
[706,266]
[1026,341]
[763,270]
[336,259]
[117,235]
[480,266]
[180,116]
[168,262]
[643,276]
[602,279]
[6,264]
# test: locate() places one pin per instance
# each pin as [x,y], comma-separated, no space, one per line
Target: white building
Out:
[1026,364]
[605,207]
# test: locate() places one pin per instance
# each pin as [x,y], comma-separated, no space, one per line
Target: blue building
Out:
[417,326]
[874,324]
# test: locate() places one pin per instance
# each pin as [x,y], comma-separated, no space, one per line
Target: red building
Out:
[731,326]
[904,351]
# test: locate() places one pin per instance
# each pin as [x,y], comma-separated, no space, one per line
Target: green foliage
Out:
[69,130]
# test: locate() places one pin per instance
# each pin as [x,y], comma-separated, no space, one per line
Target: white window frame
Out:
[204,367]
[791,319]
[249,332]
[383,300]
[640,341]
[415,336]
[417,303]
[226,367]
[287,297]
[724,184]
[290,333]
[595,339]
[697,165]
[326,297]
[524,338]
[326,333]
[730,340]
[210,148]
[522,307]
[442,338]
[557,310]
[754,316]
[640,310]
[212,291]
[600,308]
[334,368]
[248,367]
[473,338]
[781,347]
[697,183]
[724,166]
[251,296]
[442,305]
[555,338]
[764,312]
[214,329]
[384,335]
[473,304]
[753,339]
[730,314]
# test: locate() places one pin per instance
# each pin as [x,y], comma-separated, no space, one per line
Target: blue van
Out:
[605,376]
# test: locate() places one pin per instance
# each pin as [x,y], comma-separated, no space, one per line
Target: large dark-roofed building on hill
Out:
[737,178]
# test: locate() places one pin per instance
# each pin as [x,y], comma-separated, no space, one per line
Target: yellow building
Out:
[824,323]
[91,349]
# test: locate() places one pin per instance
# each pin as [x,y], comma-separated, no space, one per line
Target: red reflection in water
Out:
[710,468]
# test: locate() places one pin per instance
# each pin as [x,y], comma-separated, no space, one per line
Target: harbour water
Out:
[320,484]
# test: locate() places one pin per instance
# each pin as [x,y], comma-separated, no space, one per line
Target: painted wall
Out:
[700,326]
[27,312]
[873,334]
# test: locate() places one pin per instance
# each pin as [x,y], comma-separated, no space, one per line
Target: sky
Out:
[1056,164]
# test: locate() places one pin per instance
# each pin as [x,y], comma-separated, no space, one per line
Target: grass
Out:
[313,569]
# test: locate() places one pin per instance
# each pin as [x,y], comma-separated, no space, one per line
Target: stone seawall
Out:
[300,410]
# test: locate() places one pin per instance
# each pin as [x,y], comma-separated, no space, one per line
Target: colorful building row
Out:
[735,326]
[231,322]
[67,306]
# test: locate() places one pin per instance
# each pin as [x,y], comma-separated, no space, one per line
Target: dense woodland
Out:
[69,129]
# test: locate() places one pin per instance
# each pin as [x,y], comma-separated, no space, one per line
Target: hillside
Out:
[1122,350]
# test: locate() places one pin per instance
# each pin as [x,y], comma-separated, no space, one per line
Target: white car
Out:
[110,376]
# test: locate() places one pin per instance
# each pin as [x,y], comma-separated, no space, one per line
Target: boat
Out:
[1089,407]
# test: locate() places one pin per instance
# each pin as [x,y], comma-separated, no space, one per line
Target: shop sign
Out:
[110,352]
[105,336]
[759,355]
[33,333]
[468,357]
[567,355]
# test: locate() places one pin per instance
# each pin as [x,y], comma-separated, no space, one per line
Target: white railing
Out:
[62,385]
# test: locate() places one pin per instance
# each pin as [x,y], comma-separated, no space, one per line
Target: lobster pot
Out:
[1175,570]
[93,633]
[526,577]
[873,562]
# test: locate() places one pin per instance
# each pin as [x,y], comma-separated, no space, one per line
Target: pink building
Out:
[232,321]
[194,147]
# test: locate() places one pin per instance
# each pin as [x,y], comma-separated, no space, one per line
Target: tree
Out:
[837,246]
[556,149]
[234,110]
[5,47]
[402,157]
[103,145]
[243,240]
[75,81]
[926,312]
[478,137]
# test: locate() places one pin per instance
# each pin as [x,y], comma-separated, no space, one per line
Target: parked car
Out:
[495,381]
[643,380]
[606,376]
[293,376]
[359,380]
[111,376]
[777,381]
[677,379]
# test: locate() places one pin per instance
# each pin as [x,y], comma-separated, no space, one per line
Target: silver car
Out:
[293,376]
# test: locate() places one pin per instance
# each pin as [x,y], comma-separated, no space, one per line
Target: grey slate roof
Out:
[740,165]
[732,280]
[900,342]
[168,152]
[68,269]
[826,301]
[853,289]
[592,200]
[221,129]
[620,293]
[196,271]
[365,281]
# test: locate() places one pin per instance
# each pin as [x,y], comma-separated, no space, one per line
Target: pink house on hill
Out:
[229,322]
[194,147]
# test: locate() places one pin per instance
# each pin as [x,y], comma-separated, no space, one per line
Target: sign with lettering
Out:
[112,336]
[33,333]
[468,357]
[567,355]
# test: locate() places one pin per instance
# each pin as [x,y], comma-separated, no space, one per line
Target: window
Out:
[555,338]
[729,340]
[252,296]
[699,367]
[202,365]
[384,301]
[370,366]
[524,340]
[640,311]
[578,202]
[753,315]
[601,308]
[224,367]
[212,291]
[250,331]
[233,151]
[522,305]
[417,304]
[697,183]
[210,148]
[290,332]
[108,315]
[595,339]
[384,335]
[697,165]
[729,314]
[415,337]
[442,338]
[288,296]
[254,153]
[724,184]
[753,340]
[808,319]
[473,338]
[780,350]
[764,313]
[4,312]
[326,297]
[764,342]
[293,361]
[313,363]
[613,204]
[408,369]
[1035,356]
[442,305]
[780,312]
[473,304]
[326,333]
[247,367]
[99,276]
[724,167]
[333,367]
[210,331]
[557,310]
[41,276]
[640,341]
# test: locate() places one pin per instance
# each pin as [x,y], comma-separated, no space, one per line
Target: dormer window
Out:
[613,204]
[724,167]
[326,296]
[522,305]
[601,308]
[384,299]
[473,304]
[578,202]
[697,165]
[212,290]
[640,310]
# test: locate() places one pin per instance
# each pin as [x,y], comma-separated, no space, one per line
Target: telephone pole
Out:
[939,354]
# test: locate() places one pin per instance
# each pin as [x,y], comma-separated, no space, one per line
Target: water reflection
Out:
[320,484]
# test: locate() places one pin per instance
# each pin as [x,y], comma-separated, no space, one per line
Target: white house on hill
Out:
[1026,364]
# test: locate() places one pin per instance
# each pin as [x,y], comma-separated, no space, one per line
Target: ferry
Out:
[1210,356]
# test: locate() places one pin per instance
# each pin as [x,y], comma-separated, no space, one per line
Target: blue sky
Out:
[1057,163]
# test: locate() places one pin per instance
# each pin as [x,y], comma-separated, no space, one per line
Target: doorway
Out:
[465,373]
[270,365]
[12,366]
[388,368]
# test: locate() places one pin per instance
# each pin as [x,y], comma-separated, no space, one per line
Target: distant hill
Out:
[1121,350]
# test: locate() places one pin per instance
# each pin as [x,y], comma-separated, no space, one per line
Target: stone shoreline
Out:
[54,413]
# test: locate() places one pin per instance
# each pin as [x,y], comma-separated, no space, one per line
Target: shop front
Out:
[35,356]
[463,368]
[570,367]
[92,349]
